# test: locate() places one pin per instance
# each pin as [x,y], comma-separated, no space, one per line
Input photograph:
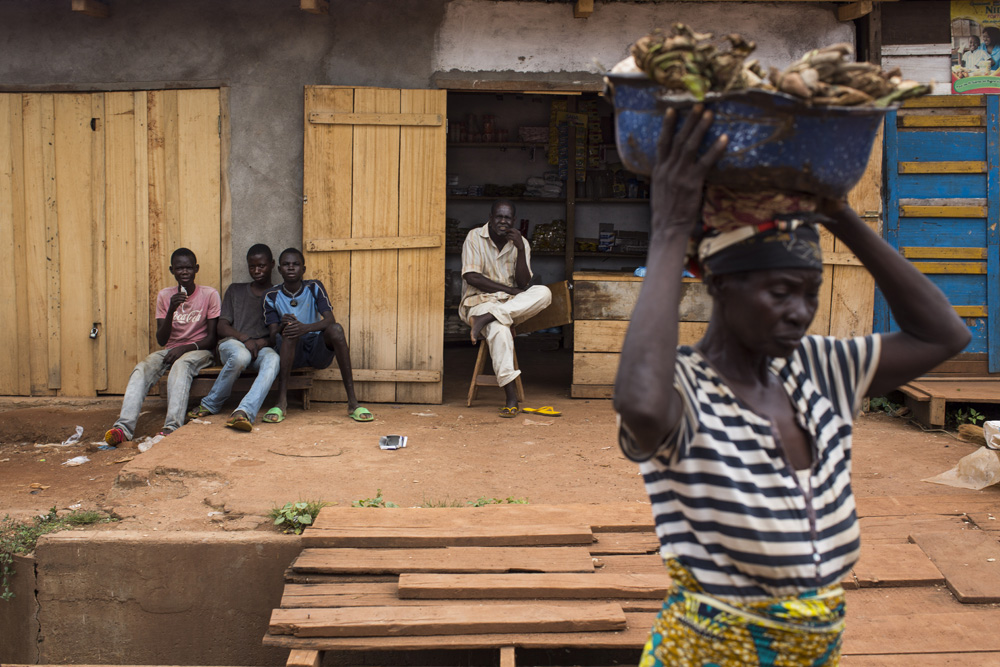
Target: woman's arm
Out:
[645,396]
[930,330]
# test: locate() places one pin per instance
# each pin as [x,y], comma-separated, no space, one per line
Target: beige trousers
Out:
[513,311]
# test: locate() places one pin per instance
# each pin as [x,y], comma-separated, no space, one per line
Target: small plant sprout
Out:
[294,517]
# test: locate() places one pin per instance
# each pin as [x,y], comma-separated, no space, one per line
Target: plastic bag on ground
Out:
[975,471]
[75,438]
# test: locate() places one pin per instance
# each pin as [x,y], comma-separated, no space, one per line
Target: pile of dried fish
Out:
[688,61]
[827,76]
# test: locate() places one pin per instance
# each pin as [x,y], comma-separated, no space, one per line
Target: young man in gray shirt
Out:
[244,344]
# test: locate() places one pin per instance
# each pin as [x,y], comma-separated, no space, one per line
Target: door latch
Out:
[95,330]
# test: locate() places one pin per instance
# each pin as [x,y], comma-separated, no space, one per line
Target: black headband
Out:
[783,247]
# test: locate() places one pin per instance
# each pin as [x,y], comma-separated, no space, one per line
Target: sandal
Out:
[360,414]
[240,422]
[508,412]
[114,437]
[546,410]
[274,416]
[199,412]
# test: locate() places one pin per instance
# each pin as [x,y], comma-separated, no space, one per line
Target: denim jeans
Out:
[144,376]
[235,359]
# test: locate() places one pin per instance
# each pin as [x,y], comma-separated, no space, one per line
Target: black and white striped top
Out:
[726,502]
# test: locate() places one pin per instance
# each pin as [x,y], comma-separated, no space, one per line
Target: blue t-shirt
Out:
[311,301]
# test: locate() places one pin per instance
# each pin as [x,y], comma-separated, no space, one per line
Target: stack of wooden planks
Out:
[588,577]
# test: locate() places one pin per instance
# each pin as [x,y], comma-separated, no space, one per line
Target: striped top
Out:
[479,255]
[310,303]
[726,502]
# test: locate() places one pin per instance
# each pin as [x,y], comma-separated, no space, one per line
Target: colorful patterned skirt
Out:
[698,630]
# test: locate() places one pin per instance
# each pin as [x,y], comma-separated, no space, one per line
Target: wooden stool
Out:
[480,380]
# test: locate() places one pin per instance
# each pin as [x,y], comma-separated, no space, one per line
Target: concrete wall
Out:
[150,598]
[266,51]
[18,622]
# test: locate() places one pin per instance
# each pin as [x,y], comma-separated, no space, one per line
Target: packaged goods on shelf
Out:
[549,236]
[533,134]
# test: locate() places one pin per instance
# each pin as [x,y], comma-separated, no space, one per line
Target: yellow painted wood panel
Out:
[98,240]
[915,211]
[328,175]
[141,138]
[198,172]
[913,252]
[968,167]
[74,187]
[10,360]
[977,268]
[941,121]
[821,321]
[609,335]
[939,101]
[126,295]
[420,284]
[374,288]
[39,218]
[21,265]
[160,139]
[971,311]
[52,241]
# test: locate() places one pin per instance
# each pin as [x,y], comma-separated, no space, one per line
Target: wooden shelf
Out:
[612,200]
[543,200]
[498,144]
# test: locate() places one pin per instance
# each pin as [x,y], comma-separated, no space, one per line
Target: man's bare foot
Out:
[477,326]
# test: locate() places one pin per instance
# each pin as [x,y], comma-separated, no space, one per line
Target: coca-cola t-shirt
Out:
[191,317]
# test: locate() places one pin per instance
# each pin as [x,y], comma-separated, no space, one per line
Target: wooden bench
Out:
[300,380]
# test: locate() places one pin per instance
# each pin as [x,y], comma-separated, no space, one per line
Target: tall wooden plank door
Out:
[126,331]
[373,230]
[15,362]
[940,212]
[184,192]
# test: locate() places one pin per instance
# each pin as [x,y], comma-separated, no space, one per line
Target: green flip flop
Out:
[360,414]
[274,416]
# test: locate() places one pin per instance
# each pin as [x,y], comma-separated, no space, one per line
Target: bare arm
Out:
[931,331]
[644,389]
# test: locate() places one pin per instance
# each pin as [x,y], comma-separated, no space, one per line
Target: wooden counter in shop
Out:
[602,307]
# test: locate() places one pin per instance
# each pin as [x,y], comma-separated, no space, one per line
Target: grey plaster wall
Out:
[267,50]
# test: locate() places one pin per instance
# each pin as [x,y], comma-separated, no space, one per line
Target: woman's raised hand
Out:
[679,174]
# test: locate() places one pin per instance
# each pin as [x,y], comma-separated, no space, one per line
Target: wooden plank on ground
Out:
[420,317]
[454,619]
[608,544]
[74,183]
[448,559]
[480,535]
[632,637]
[374,292]
[955,504]
[917,621]
[630,564]
[969,561]
[891,565]
[987,521]
[297,658]
[327,207]
[340,594]
[530,585]
[603,518]
[897,529]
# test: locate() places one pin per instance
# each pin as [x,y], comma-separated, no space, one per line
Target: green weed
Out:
[966,415]
[377,501]
[509,500]
[294,517]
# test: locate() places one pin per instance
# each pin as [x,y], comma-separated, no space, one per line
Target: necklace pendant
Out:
[294,303]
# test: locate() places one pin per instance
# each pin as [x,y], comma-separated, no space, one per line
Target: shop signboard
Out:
[975,46]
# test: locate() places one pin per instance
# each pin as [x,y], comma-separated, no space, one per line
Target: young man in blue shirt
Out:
[302,328]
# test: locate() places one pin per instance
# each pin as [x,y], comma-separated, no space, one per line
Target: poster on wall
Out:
[975,46]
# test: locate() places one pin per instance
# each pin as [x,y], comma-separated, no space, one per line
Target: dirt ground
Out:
[206,476]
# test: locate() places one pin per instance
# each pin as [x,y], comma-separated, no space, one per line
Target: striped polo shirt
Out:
[725,501]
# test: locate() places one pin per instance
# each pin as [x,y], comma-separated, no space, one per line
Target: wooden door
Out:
[96,190]
[942,201]
[373,233]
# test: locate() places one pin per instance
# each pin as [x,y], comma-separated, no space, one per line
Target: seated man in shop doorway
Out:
[496,269]
[186,319]
[301,326]
[245,344]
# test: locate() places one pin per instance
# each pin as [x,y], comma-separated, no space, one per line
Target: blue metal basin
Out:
[776,141]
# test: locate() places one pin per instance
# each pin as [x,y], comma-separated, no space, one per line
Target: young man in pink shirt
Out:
[186,318]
